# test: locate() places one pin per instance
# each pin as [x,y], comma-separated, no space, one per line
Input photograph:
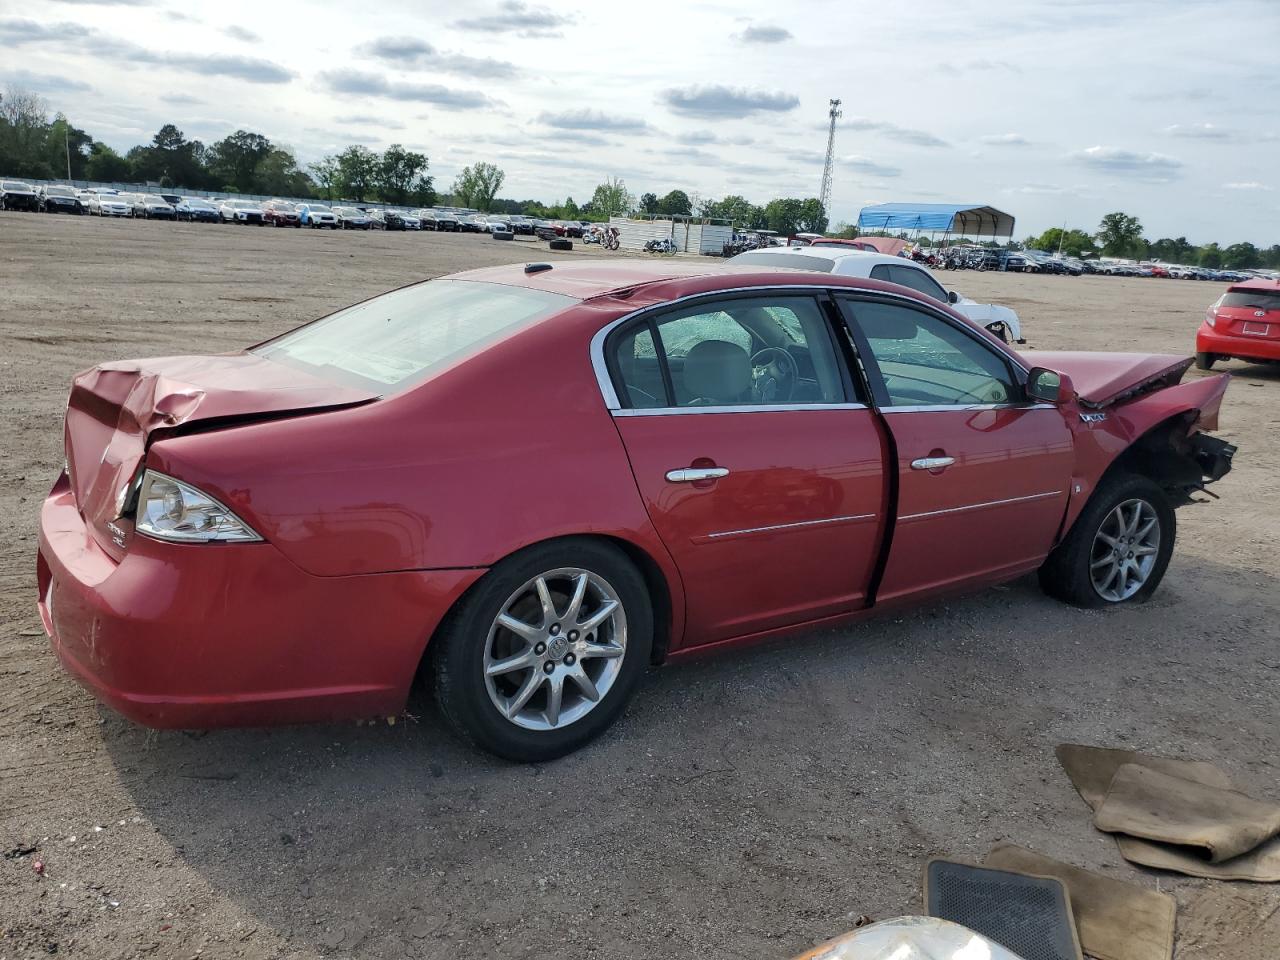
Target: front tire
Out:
[1119,548]
[1205,361]
[545,651]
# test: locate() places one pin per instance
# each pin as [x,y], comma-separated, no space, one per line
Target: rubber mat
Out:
[1114,920]
[1029,915]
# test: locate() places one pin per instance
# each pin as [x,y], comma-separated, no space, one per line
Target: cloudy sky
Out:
[1055,111]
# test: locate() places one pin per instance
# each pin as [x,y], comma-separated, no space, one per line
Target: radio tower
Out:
[825,197]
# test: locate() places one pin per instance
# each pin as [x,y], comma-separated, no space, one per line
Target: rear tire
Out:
[1205,361]
[1119,548]
[511,712]
[560,244]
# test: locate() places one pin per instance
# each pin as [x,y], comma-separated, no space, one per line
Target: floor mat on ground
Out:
[1114,920]
[1029,915]
[1092,770]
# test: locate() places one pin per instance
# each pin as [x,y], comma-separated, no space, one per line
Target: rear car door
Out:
[982,474]
[761,469]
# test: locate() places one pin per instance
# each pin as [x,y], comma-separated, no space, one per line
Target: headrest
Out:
[717,370]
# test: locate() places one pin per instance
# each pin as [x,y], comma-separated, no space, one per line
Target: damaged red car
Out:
[526,484]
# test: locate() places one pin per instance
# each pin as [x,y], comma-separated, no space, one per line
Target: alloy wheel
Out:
[555,649]
[1125,550]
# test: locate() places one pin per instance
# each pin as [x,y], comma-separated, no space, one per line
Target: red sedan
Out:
[530,483]
[1244,323]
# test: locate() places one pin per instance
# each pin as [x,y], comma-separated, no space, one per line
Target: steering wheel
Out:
[774,373]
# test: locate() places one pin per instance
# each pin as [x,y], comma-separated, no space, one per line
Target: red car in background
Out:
[528,484]
[1243,324]
[281,213]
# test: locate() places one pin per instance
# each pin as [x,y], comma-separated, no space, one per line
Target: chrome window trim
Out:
[735,408]
[928,407]
[787,526]
[610,395]
[979,506]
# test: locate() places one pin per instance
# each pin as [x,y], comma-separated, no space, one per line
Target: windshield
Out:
[58,192]
[152,198]
[201,204]
[796,260]
[1255,299]
[13,185]
[396,340]
[319,208]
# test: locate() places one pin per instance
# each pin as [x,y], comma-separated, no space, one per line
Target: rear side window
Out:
[910,277]
[397,340]
[1255,299]
[747,351]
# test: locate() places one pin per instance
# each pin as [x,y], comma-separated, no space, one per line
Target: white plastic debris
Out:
[910,938]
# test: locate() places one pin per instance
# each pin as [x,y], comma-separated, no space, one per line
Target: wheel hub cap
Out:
[555,649]
[1124,551]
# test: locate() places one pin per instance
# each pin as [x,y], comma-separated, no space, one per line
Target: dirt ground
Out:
[747,805]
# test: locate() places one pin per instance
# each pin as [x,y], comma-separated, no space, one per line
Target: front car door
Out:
[983,475]
[761,468]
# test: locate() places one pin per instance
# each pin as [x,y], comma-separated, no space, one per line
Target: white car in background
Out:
[843,262]
[110,205]
[241,211]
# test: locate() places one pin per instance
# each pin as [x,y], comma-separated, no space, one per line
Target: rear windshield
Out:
[1257,299]
[394,341]
[796,260]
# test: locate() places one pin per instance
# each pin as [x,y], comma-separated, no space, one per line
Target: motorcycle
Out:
[663,245]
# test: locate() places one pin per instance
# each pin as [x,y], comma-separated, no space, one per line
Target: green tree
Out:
[105,165]
[1241,256]
[358,170]
[1074,243]
[233,160]
[789,216]
[401,174]
[325,173]
[1119,235]
[476,186]
[1173,251]
[675,203]
[1211,256]
[277,173]
[24,133]
[611,199]
[738,209]
[648,203]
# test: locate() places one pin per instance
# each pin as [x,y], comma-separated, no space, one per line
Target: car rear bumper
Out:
[1209,340]
[207,635]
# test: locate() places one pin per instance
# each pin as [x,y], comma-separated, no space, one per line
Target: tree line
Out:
[1121,235]
[35,145]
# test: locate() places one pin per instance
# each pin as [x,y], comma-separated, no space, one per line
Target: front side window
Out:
[749,351]
[922,360]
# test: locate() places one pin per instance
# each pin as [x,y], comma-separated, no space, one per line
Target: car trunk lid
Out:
[115,410]
[1248,312]
[1105,379]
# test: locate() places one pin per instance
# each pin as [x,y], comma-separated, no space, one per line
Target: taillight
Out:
[1211,318]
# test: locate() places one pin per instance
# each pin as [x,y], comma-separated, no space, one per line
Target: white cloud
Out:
[1247,185]
[1130,163]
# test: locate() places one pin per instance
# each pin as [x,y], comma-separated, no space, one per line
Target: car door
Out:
[983,475]
[760,468]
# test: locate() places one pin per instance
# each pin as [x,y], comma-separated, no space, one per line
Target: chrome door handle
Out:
[932,463]
[690,474]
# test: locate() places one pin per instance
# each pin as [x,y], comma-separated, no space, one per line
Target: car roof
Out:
[834,254]
[646,282]
[1258,283]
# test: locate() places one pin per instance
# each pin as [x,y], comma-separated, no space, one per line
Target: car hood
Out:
[117,409]
[1104,379]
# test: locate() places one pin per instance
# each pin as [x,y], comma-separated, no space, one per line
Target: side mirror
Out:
[1048,386]
[953,297]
